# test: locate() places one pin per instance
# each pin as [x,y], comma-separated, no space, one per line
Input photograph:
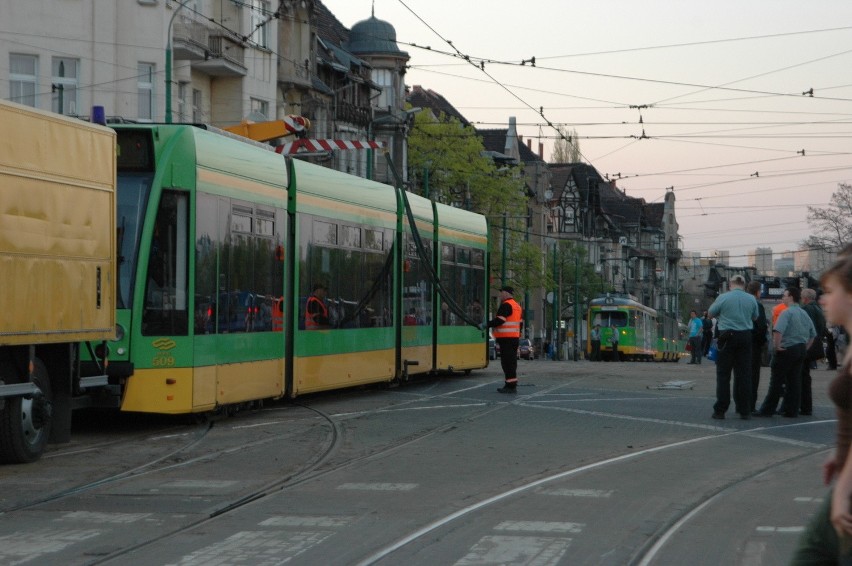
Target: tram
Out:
[643,333]
[221,242]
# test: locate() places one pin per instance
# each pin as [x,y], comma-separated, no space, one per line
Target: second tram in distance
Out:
[643,333]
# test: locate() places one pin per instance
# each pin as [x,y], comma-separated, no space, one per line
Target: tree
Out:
[832,224]
[566,149]
[447,161]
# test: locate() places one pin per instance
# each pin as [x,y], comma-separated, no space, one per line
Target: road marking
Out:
[535,551]
[255,547]
[304,521]
[198,484]
[782,440]
[577,492]
[112,518]
[808,499]
[630,418]
[404,409]
[783,530]
[540,526]
[378,486]
[24,546]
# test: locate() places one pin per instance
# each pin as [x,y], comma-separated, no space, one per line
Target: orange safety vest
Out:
[512,327]
[278,315]
[310,323]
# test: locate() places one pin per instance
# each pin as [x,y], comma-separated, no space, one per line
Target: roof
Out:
[374,36]
[427,98]
[329,27]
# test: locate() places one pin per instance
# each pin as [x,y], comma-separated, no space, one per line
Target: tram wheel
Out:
[25,422]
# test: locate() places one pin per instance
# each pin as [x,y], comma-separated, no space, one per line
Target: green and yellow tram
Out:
[221,242]
[643,333]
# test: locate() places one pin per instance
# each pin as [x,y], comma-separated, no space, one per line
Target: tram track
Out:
[648,551]
[316,468]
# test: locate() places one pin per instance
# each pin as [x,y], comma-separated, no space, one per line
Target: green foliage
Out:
[458,172]
[573,272]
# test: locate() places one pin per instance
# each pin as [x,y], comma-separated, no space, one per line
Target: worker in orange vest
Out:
[316,312]
[507,332]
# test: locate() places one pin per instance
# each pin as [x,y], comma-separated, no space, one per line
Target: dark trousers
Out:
[756,363]
[830,351]
[509,360]
[786,380]
[596,351]
[806,400]
[696,342]
[736,356]
[614,355]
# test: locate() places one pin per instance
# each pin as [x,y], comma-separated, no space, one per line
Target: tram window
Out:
[241,223]
[359,281]
[610,318]
[206,265]
[417,285]
[324,233]
[373,240]
[264,222]
[165,310]
[350,236]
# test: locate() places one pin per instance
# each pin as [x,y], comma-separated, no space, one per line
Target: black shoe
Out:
[745,416]
[718,415]
[806,413]
[507,389]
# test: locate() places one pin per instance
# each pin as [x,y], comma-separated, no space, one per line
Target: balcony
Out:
[224,58]
[190,40]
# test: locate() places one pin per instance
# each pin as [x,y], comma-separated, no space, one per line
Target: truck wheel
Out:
[25,422]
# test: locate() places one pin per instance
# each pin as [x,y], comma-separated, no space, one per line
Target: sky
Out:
[712,100]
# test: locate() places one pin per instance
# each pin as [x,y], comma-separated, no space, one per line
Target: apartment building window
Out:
[64,84]
[196,106]
[145,88]
[259,107]
[384,78]
[22,78]
[259,24]
[183,102]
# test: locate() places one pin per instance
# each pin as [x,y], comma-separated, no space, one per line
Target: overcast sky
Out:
[718,87]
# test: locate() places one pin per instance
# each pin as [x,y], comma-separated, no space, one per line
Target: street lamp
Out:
[169,62]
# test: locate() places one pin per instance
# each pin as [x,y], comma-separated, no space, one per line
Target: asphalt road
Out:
[607,463]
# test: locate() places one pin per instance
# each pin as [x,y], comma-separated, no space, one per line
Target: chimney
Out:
[529,145]
[541,151]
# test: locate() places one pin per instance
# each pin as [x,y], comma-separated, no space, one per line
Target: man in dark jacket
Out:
[758,341]
[815,352]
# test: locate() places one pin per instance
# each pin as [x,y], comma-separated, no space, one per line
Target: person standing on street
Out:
[758,341]
[696,337]
[736,312]
[791,338]
[595,337]
[613,340]
[507,333]
[815,351]
[828,537]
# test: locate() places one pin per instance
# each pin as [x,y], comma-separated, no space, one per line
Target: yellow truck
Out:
[57,272]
